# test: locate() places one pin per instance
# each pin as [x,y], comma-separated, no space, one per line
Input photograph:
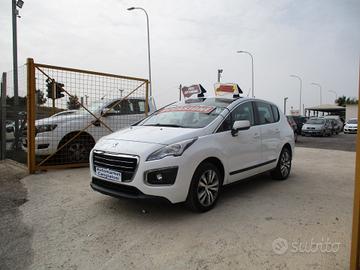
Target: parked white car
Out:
[54,131]
[351,126]
[188,150]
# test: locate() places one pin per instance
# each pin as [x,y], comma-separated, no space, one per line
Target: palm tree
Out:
[343,101]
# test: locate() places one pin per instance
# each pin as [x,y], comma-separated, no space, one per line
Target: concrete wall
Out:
[351,111]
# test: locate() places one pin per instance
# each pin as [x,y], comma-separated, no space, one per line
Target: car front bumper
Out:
[350,130]
[312,132]
[45,144]
[138,188]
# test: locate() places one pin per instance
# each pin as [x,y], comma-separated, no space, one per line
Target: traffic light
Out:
[58,89]
[49,88]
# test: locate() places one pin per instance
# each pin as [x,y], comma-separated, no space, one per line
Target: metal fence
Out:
[69,109]
[13,115]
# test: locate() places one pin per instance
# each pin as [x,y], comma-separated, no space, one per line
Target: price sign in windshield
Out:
[190,108]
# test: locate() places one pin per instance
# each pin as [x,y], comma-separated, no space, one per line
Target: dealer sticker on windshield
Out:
[187,108]
[108,174]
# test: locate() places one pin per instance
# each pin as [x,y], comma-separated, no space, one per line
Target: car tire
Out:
[283,167]
[205,188]
[77,151]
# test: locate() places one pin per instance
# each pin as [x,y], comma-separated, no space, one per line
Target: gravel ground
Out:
[15,236]
[66,225]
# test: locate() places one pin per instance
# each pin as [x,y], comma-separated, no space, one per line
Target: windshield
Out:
[352,121]
[185,116]
[94,106]
[315,121]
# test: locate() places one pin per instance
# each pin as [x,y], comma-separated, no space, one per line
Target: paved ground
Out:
[344,142]
[65,225]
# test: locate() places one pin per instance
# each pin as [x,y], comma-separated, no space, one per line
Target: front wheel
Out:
[204,188]
[283,167]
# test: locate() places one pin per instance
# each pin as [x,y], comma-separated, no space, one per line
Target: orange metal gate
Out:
[69,109]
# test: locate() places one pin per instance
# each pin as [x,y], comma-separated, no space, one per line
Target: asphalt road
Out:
[58,222]
[344,142]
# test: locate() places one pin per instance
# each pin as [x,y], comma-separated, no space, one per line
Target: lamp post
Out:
[252,71]
[15,13]
[336,95]
[219,74]
[148,39]
[300,80]
[285,99]
[320,88]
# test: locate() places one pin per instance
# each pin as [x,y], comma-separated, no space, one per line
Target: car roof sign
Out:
[228,90]
[194,89]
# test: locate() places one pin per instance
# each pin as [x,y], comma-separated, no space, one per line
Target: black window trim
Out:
[229,114]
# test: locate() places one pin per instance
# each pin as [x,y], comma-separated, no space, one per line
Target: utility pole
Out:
[285,99]
[219,74]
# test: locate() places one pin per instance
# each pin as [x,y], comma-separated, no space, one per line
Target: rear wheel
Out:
[204,188]
[283,167]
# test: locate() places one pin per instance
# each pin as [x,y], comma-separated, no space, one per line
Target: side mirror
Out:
[240,125]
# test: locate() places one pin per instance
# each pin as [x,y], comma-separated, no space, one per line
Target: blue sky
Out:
[317,40]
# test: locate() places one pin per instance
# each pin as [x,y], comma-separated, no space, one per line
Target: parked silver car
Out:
[317,127]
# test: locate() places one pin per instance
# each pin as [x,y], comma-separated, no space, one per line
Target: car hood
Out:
[154,135]
[351,125]
[63,118]
[305,126]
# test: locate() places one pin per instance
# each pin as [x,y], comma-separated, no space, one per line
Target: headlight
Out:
[45,128]
[176,149]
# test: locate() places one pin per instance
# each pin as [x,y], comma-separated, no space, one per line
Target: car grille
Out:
[126,164]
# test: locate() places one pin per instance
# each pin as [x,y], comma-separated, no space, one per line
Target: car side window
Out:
[265,115]
[242,112]
[276,113]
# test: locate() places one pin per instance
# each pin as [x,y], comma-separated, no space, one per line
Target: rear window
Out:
[264,111]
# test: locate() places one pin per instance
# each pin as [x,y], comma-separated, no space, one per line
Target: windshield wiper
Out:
[165,125]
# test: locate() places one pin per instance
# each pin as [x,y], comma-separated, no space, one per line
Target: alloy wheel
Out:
[285,163]
[77,152]
[208,188]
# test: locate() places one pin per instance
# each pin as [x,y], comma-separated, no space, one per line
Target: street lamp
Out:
[15,14]
[285,99]
[320,88]
[300,80]
[252,71]
[336,95]
[148,38]
[219,74]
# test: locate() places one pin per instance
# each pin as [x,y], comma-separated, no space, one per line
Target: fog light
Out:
[165,176]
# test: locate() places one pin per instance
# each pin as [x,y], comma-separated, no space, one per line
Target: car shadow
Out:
[155,211]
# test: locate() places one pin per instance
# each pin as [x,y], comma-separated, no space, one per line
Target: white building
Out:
[351,111]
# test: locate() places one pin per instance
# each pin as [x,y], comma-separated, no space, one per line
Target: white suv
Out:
[188,150]
[54,131]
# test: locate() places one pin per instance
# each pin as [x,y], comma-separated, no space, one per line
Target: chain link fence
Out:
[62,112]
[13,115]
